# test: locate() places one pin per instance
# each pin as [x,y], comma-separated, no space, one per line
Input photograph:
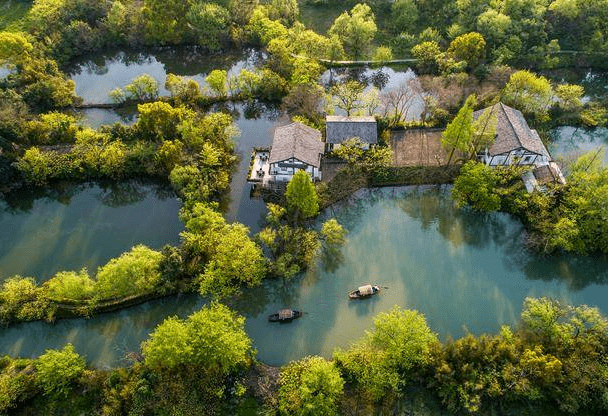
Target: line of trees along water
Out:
[194,151]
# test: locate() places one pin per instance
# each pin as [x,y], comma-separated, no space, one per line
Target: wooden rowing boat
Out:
[364,291]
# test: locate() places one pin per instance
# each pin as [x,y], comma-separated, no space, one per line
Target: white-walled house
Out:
[341,128]
[295,147]
[515,142]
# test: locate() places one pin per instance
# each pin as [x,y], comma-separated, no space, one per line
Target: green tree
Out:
[287,11]
[458,133]
[142,88]
[14,47]
[475,186]
[21,299]
[404,15]
[166,22]
[212,339]
[333,232]
[348,96]
[134,272]
[302,199]
[182,89]
[236,261]
[529,93]
[209,24]
[426,53]
[216,80]
[484,131]
[309,387]
[356,30]
[569,96]
[69,286]
[469,47]
[385,358]
[56,370]
[383,54]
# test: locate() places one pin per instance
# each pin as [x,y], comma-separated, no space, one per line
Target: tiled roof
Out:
[298,141]
[513,132]
[340,128]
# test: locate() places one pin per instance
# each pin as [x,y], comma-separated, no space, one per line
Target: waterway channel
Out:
[464,271]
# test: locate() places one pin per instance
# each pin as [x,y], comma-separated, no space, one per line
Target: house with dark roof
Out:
[515,142]
[295,147]
[341,128]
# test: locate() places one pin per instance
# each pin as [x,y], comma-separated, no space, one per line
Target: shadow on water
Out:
[68,227]
[463,271]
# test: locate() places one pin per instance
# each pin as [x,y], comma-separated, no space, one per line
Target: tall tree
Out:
[310,386]
[459,133]
[356,30]
[302,199]
[529,93]
[212,339]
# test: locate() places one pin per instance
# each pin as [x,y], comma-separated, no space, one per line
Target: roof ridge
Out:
[502,106]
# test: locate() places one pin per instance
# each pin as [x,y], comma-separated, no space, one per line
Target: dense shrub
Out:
[56,370]
[134,272]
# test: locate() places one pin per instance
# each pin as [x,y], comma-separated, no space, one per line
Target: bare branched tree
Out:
[398,102]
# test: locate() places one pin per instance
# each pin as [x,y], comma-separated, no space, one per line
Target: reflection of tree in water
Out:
[577,272]
[331,258]
[116,194]
[22,201]
[253,301]
[459,226]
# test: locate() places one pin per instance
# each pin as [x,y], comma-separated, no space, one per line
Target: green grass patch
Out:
[12,13]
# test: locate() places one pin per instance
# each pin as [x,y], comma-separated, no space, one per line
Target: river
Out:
[464,271]
[69,227]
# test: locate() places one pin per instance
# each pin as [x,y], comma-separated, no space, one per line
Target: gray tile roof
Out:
[340,128]
[513,132]
[298,141]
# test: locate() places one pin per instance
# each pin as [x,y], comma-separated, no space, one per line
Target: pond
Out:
[70,227]
[464,271]
[568,143]
[97,75]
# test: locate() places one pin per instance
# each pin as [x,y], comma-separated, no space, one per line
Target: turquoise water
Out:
[463,270]
[70,227]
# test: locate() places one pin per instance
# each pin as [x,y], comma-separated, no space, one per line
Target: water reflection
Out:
[465,272]
[96,76]
[67,227]
[567,143]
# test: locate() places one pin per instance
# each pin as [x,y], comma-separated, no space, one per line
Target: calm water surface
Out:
[96,76]
[71,227]
[464,271]
[570,142]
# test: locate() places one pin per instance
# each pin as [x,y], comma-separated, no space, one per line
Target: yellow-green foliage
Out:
[21,299]
[212,339]
[400,344]
[70,286]
[310,386]
[56,370]
[132,273]
[16,383]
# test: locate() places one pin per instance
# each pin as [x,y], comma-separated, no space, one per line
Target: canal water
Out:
[73,226]
[463,270]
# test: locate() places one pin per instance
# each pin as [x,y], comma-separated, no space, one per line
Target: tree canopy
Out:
[302,199]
